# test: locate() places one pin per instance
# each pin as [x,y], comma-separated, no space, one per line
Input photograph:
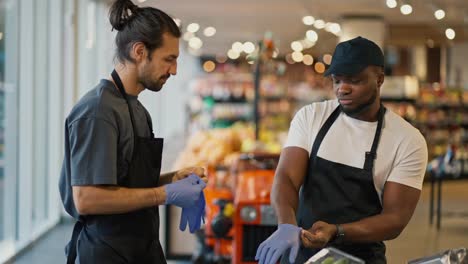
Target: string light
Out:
[209,31]
[248,47]
[232,54]
[312,35]
[308,60]
[195,43]
[237,47]
[209,66]
[193,27]
[327,58]
[308,20]
[296,46]
[297,56]
[319,67]
[319,24]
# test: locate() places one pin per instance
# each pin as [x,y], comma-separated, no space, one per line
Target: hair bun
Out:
[121,12]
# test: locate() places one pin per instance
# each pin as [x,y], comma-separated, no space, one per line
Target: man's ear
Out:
[380,78]
[380,75]
[138,52]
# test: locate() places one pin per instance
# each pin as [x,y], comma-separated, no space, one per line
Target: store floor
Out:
[419,239]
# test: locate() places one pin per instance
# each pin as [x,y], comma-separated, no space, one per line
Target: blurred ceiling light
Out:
[193,27]
[188,35]
[312,35]
[308,20]
[221,58]
[450,33]
[406,9]
[327,58]
[237,47]
[209,66]
[391,3]
[209,31]
[195,43]
[319,24]
[232,54]
[335,28]
[439,14]
[289,59]
[178,21]
[296,46]
[297,56]
[248,47]
[308,60]
[141,1]
[306,43]
[319,67]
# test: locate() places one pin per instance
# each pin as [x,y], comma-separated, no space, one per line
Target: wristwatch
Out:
[339,234]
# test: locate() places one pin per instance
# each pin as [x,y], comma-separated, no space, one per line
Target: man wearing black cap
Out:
[351,171]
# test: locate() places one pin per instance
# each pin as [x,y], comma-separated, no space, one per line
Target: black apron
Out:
[130,237]
[338,194]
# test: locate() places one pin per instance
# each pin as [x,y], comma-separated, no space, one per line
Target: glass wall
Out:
[8,121]
[2,119]
[31,119]
[51,53]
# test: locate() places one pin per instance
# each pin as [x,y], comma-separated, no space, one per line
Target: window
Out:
[8,123]
[31,127]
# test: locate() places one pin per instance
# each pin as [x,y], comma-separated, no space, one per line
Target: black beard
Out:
[153,86]
[361,108]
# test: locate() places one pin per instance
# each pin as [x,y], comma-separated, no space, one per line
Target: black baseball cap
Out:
[354,55]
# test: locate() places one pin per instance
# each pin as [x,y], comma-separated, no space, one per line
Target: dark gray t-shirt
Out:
[99,140]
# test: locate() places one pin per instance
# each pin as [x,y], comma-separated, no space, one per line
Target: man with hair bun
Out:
[110,180]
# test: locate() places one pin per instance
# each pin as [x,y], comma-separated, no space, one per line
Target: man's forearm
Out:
[284,199]
[375,228]
[115,200]
[166,178]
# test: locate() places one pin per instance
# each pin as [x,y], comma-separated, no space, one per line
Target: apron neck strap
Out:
[118,82]
[323,131]
[370,156]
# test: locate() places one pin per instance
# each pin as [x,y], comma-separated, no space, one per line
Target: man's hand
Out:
[185,192]
[318,235]
[183,173]
[286,237]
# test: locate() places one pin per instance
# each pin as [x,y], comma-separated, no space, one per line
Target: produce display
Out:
[216,147]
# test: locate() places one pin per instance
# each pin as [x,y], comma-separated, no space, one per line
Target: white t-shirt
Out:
[401,153]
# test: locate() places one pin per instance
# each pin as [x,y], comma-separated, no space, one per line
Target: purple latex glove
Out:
[185,193]
[286,237]
[193,216]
